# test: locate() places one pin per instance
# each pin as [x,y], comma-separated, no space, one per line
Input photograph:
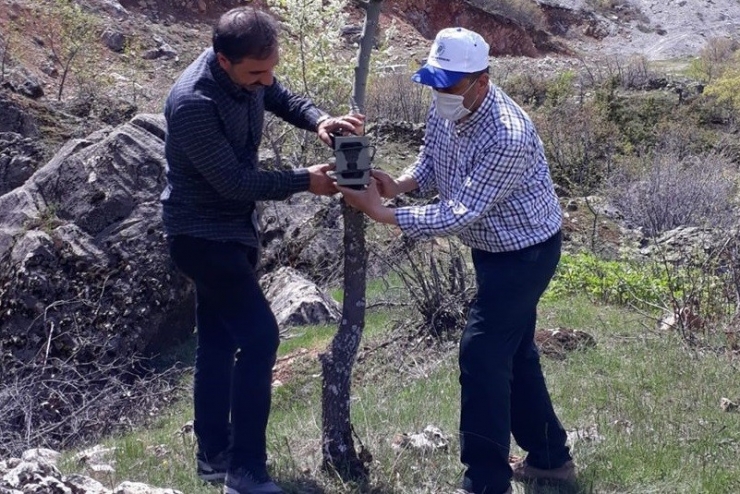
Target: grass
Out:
[646,408]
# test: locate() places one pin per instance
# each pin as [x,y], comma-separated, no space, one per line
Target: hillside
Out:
[637,104]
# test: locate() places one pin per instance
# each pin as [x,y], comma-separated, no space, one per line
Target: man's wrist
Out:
[386,215]
[321,119]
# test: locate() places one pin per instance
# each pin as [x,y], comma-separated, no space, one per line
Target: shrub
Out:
[310,65]
[663,191]
[726,88]
[624,283]
[438,280]
[394,97]
[71,35]
[712,58]
[580,144]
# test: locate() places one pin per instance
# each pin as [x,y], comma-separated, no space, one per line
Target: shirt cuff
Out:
[300,181]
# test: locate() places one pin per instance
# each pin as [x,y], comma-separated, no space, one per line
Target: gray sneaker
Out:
[250,482]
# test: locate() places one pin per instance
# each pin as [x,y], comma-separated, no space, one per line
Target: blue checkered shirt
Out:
[214,130]
[492,177]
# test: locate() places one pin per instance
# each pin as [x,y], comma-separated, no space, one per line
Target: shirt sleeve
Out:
[423,172]
[296,110]
[195,128]
[498,171]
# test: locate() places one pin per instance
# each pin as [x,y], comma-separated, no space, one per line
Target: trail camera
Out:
[353,159]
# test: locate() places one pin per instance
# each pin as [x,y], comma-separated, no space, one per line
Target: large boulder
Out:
[296,301]
[83,255]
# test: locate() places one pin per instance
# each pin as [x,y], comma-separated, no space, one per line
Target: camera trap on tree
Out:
[353,160]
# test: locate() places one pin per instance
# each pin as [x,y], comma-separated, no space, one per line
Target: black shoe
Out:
[213,469]
[243,481]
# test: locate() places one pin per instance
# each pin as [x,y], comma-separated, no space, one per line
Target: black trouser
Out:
[502,387]
[232,314]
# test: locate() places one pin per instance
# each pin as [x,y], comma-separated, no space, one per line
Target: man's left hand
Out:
[348,124]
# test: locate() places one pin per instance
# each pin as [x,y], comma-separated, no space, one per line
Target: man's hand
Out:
[348,124]
[321,183]
[387,185]
[369,202]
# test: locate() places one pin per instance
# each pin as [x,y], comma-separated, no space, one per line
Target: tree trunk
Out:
[338,445]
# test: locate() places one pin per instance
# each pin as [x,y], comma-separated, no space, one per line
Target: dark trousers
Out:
[503,390]
[238,339]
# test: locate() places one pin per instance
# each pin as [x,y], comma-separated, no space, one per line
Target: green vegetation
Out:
[643,407]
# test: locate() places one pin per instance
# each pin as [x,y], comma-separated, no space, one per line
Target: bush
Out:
[438,280]
[712,58]
[580,144]
[663,191]
[310,65]
[624,283]
[394,97]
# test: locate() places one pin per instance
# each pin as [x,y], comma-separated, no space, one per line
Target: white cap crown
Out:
[459,50]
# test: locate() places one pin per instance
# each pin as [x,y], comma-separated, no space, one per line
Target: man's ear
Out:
[224,62]
[483,80]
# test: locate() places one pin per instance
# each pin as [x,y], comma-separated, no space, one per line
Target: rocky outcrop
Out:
[506,35]
[86,286]
[15,118]
[19,158]
[36,472]
[305,233]
[82,251]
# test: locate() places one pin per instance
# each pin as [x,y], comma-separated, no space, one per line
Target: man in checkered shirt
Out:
[215,112]
[483,156]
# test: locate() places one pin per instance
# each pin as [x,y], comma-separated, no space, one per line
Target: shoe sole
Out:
[229,490]
[546,481]
[212,477]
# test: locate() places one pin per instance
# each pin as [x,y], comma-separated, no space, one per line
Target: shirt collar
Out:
[223,79]
[480,113]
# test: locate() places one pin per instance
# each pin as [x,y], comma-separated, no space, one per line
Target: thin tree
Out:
[338,446]
[71,36]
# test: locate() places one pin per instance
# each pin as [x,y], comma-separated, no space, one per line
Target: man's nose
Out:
[266,78]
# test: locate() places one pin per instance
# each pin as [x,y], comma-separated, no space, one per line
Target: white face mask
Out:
[450,106]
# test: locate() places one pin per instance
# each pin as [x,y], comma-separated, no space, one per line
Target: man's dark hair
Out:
[245,32]
[474,75]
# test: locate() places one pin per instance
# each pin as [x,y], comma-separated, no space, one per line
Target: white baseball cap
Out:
[455,53]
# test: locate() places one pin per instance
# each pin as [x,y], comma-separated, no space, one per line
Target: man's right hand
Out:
[320,183]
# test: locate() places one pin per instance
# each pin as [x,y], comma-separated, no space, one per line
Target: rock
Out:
[162,51]
[729,405]
[139,488]
[305,233]
[297,301]
[20,157]
[114,40]
[98,459]
[86,485]
[429,440]
[30,472]
[14,119]
[86,229]
[41,454]
[558,342]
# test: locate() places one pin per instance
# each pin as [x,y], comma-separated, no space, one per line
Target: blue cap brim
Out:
[436,77]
